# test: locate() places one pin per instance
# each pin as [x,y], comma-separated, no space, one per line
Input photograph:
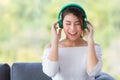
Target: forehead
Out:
[70,17]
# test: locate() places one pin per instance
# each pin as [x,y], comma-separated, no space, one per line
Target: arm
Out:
[94,61]
[53,56]
[92,58]
[50,58]
[54,46]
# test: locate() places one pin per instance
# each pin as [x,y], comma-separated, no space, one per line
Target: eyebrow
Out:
[70,21]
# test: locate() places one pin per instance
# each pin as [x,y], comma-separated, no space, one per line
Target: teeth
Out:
[72,32]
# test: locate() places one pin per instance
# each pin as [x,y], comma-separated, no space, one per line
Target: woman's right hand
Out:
[56,35]
[56,32]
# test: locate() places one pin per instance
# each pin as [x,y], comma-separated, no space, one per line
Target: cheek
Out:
[65,28]
[79,28]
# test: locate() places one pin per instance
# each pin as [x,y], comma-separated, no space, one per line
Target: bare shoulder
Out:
[48,46]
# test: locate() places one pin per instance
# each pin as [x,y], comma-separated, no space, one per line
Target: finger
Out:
[55,23]
[90,27]
[89,23]
[54,26]
[60,30]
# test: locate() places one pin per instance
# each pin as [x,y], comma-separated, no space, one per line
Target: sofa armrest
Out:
[104,76]
[28,71]
[4,72]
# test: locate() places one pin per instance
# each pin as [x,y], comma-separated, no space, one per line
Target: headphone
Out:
[72,5]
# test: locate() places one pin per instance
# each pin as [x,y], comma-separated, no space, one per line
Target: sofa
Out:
[32,71]
[4,71]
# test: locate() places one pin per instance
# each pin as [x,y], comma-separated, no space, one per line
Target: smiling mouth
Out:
[72,33]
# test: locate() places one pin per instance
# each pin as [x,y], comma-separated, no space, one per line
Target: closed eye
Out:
[78,23]
[67,23]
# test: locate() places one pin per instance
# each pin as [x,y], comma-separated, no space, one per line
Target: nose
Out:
[72,27]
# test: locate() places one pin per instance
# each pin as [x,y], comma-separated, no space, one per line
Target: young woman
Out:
[73,58]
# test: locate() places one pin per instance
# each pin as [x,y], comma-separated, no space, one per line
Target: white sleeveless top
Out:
[72,64]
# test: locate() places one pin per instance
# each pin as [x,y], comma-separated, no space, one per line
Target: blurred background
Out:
[25,29]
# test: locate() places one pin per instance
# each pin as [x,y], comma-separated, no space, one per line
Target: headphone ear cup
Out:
[84,24]
[60,23]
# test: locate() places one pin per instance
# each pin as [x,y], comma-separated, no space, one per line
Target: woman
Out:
[73,58]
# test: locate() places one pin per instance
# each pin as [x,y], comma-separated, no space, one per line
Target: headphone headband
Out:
[72,5]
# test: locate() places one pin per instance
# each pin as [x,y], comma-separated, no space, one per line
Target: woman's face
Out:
[72,27]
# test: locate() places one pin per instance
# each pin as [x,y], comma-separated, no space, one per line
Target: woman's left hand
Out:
[90,31]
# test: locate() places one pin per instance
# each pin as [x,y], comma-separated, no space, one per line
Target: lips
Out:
[72,33]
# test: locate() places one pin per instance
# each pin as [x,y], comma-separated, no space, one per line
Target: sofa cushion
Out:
[28,71]
[104,76]
[4,72]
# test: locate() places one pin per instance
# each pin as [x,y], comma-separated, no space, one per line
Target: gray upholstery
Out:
[4,72]
[33,71]
[104,76]
[28,71]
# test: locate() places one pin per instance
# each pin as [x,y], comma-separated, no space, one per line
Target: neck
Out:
[73,43]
